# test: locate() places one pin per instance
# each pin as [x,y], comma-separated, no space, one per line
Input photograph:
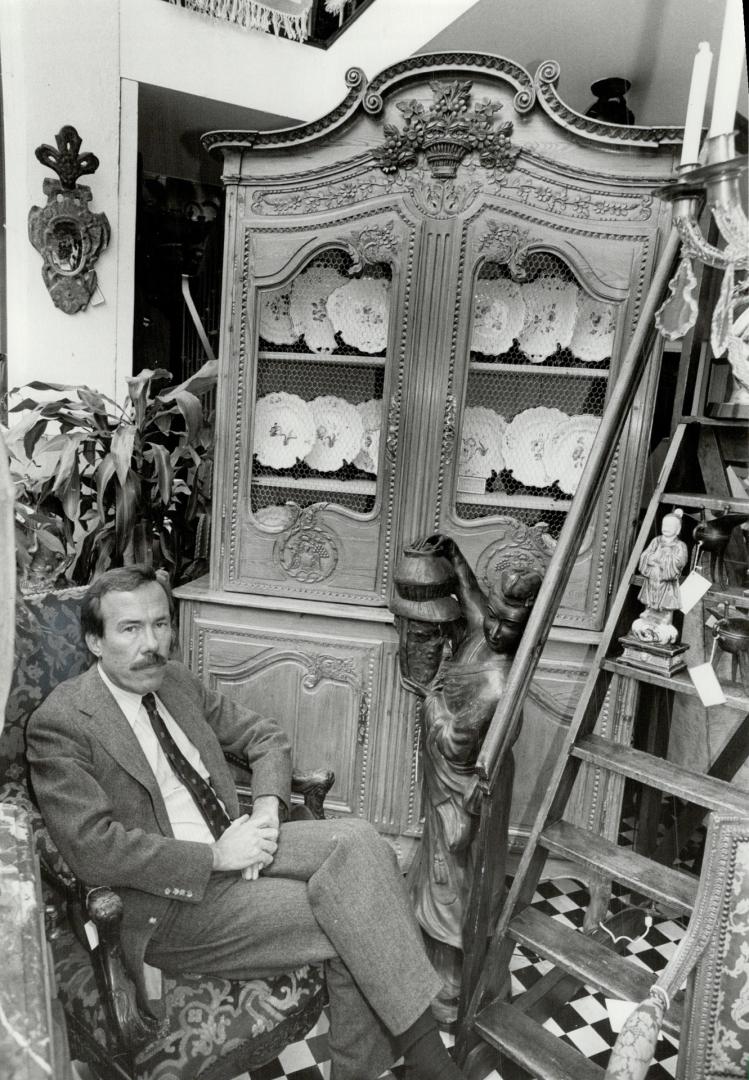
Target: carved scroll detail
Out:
[378,243]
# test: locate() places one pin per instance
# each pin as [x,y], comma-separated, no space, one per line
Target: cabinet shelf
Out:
[499,498]
[352,360]
[539,369]
[679,683]
[317,483]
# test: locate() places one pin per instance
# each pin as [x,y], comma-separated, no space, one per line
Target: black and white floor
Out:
[583,1022]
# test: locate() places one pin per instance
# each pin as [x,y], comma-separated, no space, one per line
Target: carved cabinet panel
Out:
[427,297]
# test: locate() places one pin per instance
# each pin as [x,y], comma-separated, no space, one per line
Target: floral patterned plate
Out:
[481,442]
[371,417]
[525,444]
[595,326]
[308,306]
[498,316]
[550,310]
[284,430]
[568,448]
[360,310]
[275,321]
[338,433]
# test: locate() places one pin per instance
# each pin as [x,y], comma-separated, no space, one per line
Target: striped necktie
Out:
[205,797]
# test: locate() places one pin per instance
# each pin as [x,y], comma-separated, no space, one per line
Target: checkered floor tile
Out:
[584,1022]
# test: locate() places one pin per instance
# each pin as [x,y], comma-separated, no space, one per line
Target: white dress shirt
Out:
[184,816]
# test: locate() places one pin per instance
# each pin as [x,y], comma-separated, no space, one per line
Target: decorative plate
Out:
[307,307]
[568,448]
[525,442]
[481,442]
[275,321]
[371,417]
[284,430]
[551,306]
[498,316]
[338,433]
[359,310]
[593,335]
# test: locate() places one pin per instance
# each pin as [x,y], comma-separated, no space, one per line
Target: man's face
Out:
[134,645]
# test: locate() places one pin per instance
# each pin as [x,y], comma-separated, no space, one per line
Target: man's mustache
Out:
[154,660]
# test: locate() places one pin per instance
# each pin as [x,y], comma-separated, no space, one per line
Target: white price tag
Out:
[92,934]
[706,684]
[619,1012]
[97,297]
[711,621]
[692,589]
[152,982]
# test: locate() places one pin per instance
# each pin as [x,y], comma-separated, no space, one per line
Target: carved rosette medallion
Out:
[515,547]
[446,132]
[308,551]
[65,232]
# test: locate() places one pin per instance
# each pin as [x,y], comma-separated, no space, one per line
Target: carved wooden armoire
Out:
[425,297]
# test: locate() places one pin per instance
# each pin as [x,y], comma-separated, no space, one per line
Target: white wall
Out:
[79,62]
[59,66]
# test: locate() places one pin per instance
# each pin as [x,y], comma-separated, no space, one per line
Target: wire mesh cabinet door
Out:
[311,399]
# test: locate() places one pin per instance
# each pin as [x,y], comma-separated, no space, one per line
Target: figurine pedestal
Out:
[665,659]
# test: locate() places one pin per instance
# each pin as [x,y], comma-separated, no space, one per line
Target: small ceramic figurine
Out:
[661,564]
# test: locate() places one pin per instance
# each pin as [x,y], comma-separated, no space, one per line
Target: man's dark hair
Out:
[122,579]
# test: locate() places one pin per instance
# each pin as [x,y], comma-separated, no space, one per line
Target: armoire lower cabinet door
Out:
[320,678]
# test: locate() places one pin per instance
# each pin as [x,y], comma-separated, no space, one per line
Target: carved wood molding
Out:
[447,63]
[546,77]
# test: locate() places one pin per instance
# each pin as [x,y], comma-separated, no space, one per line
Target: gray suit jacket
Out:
[101,803]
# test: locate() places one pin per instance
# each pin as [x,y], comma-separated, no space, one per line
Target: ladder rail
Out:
[502,728]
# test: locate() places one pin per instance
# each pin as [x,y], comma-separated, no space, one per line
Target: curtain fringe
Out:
[253,15]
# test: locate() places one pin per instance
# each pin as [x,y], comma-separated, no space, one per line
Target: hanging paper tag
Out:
[92,934]
[618,1012]
[706,684]
[152,982]
[711,621]
[692,589]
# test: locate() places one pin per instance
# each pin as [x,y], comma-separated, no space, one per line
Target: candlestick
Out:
[696,104]
[729,70]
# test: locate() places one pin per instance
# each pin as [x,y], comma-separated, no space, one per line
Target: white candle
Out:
[728,77]
[703,61]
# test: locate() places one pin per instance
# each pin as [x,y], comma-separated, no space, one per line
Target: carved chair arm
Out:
[313,786]
[132,1019]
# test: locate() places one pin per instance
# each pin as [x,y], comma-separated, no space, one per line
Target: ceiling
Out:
[650,42]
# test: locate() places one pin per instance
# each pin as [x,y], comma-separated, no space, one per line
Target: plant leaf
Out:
[192,411]
[104,474]
[32,436]
[68,462]
[203,379]
[51,542]
[125,507]
[71,496]
[123,441]
[162,464]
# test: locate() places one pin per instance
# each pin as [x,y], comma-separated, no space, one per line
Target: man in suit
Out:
[127,763]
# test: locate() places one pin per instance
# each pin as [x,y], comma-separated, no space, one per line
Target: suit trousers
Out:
[333,894]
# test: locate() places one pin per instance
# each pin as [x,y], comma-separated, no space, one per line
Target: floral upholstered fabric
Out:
[214,1028]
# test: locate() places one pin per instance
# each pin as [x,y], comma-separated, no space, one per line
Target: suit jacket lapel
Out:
[117,737]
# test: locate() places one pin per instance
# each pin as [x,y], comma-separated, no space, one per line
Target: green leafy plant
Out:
[102,485]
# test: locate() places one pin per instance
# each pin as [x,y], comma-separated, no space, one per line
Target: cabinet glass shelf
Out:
[499,498]
[539,369]
[317,483]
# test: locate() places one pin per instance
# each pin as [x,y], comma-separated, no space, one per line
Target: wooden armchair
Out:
[213,1028]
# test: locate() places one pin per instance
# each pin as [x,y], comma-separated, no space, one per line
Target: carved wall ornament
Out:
[446,132]
[448,428]
[391,439]
[516,546]
[341,670]
[65,232]
[308,551]
[375,244]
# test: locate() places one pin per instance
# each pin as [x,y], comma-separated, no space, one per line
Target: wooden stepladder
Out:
[492,1029]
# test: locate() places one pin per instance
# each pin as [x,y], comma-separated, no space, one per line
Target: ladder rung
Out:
[591,961]
[705,502]
[694,787]
[533,1047]
[661,883]
[679,683]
